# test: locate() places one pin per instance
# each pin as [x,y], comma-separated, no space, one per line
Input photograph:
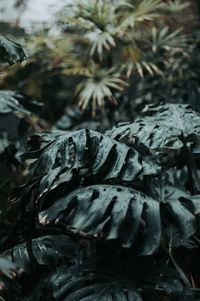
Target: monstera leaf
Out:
[46,250]
[13,102]
[103,279]
[10,51]
[177,205]
[116,212]
[84,154]
[169,127]
[40,254]
[109,212]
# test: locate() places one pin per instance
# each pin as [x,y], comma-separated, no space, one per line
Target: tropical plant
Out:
[104,216]
[120,35]
[107,219]
[180,83]
[104,45]
[17,120]
[61,70]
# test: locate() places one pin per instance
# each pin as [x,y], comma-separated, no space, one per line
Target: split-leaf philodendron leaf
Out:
[102,279]
[46,250]
[117,212]
[84,153]
[168,127]
[101,220]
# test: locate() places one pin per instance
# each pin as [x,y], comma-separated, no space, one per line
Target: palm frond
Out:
[74,66]
[101,40]
[140,66]
[164,39]
[88,14]
[98,86]
[176,6]
[144,11]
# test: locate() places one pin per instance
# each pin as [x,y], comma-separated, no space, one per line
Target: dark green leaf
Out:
[10,51]
[45,250]
[180,210]
[110,212]
[115,280]
[85,153]
[13,101]
[167,128]
[116,212]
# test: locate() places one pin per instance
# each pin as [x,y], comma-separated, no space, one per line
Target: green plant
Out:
[104,44]
[62,70]
[17,120]
[107,219]
[119,35]
[105,216]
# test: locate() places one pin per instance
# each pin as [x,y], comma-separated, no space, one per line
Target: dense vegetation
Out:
[102,210]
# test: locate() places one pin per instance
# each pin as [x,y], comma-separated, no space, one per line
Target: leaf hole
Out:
[95,194]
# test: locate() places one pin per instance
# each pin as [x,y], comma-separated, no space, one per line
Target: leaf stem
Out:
[178,268]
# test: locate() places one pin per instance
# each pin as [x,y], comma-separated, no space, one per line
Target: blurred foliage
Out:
[101,47]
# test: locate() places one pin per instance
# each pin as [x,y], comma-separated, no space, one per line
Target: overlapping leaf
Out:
[119,280]
[80,285]
[117,212]
[45,250]
[10,51]
[168,127]
[110,212]
[84,154]
[178,207]
[13,101]
[14,109]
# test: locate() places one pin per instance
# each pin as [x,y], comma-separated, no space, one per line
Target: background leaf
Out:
[167,127]
[13,101]
[10,51]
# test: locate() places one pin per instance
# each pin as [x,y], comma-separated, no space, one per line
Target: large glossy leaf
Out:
[116,212]
[21,203]
[168,127]
[10,51]
[13,101]
[115,280]
[86,154]
[179,209]
[45,250]
[109,212]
